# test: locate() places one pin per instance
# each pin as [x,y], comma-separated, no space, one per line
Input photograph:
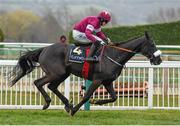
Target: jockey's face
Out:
[104,23]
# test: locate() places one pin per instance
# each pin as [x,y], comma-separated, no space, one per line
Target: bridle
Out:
[155,54]
[120,49]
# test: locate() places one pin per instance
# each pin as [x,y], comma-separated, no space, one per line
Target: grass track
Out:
[60,117]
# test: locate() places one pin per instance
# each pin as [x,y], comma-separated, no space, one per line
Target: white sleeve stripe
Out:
[90,27]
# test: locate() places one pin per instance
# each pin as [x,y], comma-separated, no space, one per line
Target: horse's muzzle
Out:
[156,60]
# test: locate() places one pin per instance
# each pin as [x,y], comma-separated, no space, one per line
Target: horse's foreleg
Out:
[39,83]
[110,89]
[87,96]
[53,87]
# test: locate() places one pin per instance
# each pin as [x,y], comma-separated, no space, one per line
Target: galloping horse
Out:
[54,62]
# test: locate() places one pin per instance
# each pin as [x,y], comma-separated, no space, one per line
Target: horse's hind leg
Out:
[39,83]
[53,86]
[110,90]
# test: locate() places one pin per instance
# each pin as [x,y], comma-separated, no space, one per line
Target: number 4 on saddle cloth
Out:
[78,55]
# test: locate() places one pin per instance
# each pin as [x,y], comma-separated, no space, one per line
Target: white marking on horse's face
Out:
[157,53]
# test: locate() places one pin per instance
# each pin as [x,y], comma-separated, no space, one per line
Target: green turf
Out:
[59,117]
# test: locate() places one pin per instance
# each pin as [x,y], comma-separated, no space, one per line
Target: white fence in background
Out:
[12,51]
[140,86]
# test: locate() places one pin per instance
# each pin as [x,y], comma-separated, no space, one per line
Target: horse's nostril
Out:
[160,61]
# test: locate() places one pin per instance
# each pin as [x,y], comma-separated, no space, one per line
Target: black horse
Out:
[54,62]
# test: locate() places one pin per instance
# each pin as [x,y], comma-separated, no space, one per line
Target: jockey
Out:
[88,30]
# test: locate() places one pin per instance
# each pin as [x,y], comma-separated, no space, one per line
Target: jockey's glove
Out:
[107,40]
[101,42]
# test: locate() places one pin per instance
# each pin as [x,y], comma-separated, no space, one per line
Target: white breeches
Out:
[81,37]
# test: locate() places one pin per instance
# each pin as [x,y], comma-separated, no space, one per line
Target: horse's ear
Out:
[147,35]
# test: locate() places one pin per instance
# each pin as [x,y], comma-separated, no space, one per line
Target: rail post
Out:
[67,88]
[87,85]
[150,88]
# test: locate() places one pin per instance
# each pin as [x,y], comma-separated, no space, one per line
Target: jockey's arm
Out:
[103,37]
[89,33]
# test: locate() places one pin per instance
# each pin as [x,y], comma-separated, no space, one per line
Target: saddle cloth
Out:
[78,54]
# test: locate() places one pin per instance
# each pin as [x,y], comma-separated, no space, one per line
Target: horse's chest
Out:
[112,72]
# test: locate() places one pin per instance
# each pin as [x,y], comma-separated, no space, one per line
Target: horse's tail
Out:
[26,64]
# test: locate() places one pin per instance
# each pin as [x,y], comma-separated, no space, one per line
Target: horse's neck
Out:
[133,45]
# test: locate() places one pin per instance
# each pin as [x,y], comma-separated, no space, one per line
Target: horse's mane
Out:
[123,42]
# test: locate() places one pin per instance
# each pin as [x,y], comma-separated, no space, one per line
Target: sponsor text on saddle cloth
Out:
[78,55]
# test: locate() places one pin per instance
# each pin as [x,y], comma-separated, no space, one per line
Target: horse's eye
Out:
[152,45]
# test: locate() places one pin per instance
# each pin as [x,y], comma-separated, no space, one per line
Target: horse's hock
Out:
[127,89]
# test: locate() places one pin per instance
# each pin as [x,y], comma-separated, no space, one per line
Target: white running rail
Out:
[140,86]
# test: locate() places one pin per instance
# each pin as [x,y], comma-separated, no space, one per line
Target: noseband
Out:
[155,54]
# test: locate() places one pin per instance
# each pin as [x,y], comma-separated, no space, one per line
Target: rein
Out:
[122,49]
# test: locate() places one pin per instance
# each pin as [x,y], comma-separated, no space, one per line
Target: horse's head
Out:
[150,50]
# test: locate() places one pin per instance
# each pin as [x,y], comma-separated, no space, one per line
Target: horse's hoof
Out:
[72,112]
[68,108]
[45,106]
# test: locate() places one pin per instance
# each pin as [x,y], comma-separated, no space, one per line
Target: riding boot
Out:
[93,49]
